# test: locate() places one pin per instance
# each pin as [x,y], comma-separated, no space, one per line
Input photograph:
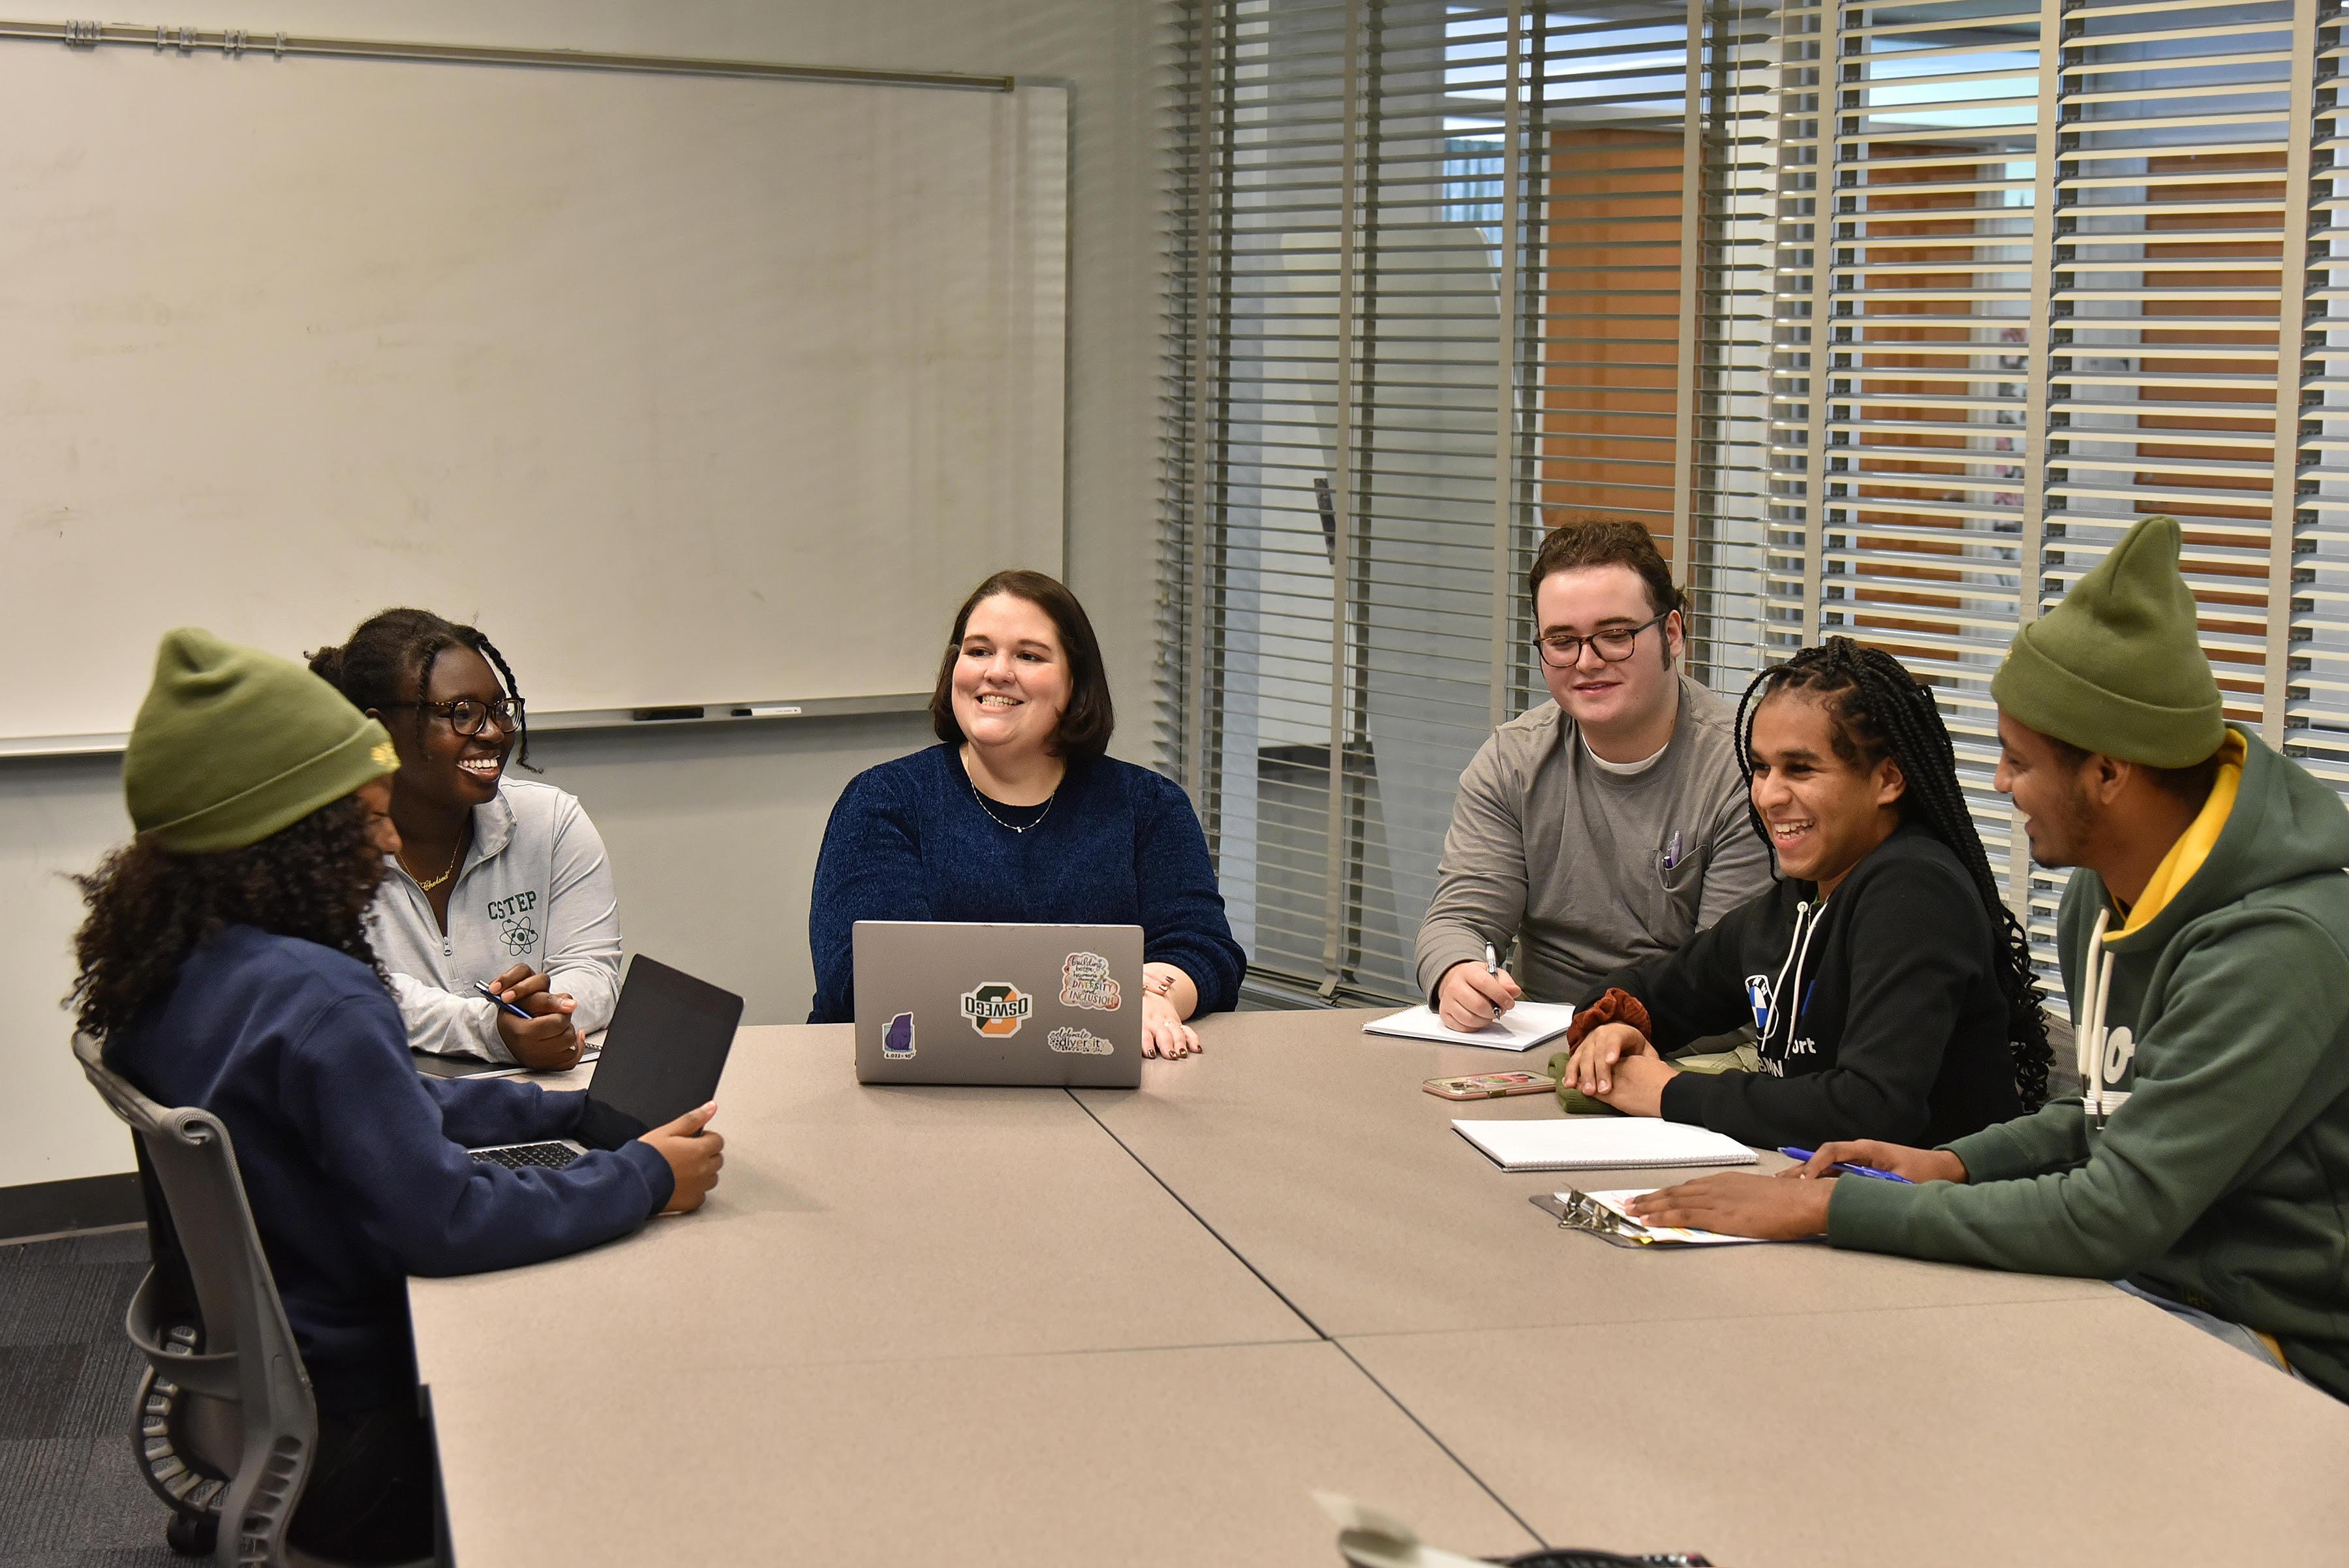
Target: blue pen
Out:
[502,1002]
[1805,1155]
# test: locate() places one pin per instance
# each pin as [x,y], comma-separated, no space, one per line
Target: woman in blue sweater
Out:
[1018,817]
[226,964]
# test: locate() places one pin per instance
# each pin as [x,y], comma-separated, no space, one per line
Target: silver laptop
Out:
[941,1002]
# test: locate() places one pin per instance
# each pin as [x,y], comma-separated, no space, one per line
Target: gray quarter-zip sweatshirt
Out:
[1592,869]
[535,888]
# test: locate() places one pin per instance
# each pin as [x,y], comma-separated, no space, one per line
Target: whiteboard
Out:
[685,389]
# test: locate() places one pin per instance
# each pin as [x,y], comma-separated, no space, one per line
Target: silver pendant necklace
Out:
[1013,826]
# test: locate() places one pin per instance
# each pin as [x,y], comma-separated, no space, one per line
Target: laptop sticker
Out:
[897,1042]
[1085,982]
[997,1008]
[1077,1041]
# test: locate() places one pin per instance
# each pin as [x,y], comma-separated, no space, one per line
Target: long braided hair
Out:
[389,646]
[1875,709]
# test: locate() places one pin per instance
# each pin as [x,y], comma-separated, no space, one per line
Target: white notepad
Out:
[1600,1143]
[1521,1028]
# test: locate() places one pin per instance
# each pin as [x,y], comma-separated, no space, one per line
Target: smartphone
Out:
[1489,1085]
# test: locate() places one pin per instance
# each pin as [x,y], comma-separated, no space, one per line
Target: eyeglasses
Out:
[469,716]
[1563,649]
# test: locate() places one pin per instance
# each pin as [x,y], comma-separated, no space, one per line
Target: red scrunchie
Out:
[1617,1006]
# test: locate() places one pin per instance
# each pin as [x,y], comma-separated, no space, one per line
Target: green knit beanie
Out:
[2118,667]
[232,744]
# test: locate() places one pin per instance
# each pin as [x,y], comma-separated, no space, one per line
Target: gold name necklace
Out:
[444,875]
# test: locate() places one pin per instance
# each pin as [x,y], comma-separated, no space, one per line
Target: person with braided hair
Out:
[498,880]
[1888,986]
[2204,939]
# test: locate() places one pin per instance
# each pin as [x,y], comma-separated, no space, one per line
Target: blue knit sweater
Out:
[1117,846]
[355,1167]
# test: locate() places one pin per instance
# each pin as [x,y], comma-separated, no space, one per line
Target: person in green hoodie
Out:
[2206,1163]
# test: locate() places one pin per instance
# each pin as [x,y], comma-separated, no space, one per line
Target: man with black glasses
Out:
[1605,825]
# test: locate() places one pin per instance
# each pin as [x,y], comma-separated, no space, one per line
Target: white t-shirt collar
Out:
[1627,769]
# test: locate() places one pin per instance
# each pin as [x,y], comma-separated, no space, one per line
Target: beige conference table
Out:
[945,1325]
[1779,1407]
[968,1324]
[1309,1148]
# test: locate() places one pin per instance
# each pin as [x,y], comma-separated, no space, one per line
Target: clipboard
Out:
[1577,1210]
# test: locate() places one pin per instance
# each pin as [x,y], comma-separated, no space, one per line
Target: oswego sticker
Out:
[897,1041]
[1075,1041]
[1085,982]
[997,1008]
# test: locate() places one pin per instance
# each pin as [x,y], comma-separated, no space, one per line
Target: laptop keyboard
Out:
[554,1156]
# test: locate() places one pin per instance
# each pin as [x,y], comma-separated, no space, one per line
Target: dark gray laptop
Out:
[663,1056]
[940,1002]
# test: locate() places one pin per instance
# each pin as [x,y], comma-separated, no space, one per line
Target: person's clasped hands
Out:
[545,1042]
[1611,1059]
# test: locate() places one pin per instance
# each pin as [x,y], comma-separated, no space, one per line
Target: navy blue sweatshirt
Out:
[1879,1014]
[1117,846]
[355,1167]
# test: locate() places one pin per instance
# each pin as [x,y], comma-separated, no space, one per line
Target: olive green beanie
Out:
[2118,667]
[232,744]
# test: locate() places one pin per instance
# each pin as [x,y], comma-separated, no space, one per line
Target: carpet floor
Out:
[70,1491]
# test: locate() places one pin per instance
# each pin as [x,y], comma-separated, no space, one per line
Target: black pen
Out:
[502,1002]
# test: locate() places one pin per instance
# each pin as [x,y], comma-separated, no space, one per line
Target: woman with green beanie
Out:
[226,964]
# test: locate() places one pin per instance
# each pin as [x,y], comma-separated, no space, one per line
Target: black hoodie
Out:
[1878,1013]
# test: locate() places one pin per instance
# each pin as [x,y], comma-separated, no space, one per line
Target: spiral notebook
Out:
[1599,1143]
[1521,1028]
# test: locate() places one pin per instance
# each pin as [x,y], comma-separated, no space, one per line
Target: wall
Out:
[712,833]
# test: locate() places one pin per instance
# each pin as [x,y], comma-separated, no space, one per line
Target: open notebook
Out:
[1599,1143]
[1521,1028]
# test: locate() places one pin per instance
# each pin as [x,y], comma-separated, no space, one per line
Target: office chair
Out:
[224,1425]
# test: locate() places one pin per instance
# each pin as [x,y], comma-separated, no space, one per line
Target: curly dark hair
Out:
[373,668]
[1875,709]
[150,909]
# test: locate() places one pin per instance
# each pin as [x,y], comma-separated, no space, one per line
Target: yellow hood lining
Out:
[2193,846]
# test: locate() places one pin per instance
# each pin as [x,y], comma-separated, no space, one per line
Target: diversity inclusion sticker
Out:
[897,1040]
[1085,982]
[997,1008]
[1078,1041]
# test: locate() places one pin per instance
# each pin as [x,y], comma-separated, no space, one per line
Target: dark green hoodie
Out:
[2221,1180]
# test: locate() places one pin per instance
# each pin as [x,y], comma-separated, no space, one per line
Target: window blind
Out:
[2043,271]
[1888,319]
[1445,275]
